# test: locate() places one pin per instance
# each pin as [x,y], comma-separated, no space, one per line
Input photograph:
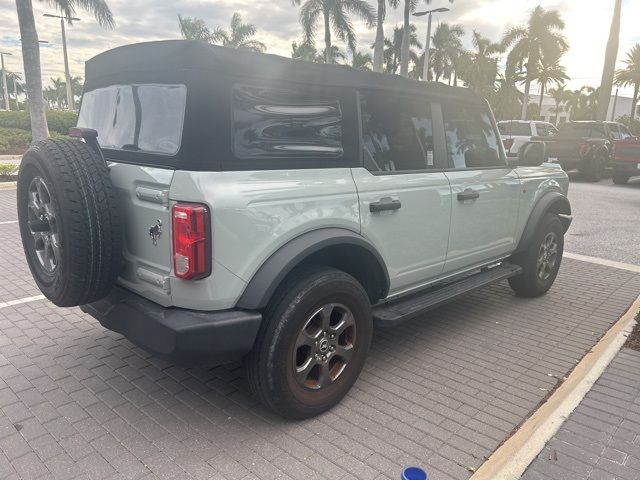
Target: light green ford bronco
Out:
[223,205]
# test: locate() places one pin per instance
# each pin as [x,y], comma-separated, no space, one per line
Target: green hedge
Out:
[16,140]
[58,122]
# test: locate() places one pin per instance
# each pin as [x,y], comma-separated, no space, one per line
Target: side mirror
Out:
[532,154]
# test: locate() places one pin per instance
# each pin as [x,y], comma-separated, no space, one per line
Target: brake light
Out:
[508,143]
[191,241]
[585,148]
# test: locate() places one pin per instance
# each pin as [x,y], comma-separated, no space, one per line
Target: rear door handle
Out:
[383,204]
[468,194]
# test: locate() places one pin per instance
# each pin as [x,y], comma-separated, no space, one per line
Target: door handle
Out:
[383,204]
[468,194]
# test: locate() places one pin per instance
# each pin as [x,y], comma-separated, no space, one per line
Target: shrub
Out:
[14,140]
[58,121]
[8,169]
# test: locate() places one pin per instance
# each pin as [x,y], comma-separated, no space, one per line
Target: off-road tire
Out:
[620,178]
[87,221]
[529,283]
[593,168]
[270,366]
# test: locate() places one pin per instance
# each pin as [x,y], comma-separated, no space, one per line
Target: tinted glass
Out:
[397,134]
[582,129]
[517,129]
[471,139]
[625,133]
[614,130]
[274,123]
[136,117]
[545,130]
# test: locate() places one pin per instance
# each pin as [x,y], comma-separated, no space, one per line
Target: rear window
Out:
[580,130]
[146,118]
[516,129]
[283,123]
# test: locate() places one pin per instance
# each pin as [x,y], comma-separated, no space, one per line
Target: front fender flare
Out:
[273,271]
[551,202]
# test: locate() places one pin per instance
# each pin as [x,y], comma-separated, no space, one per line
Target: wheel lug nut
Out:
[324,357]
[332,348]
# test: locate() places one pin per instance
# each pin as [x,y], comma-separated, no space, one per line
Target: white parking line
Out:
[8,222]
[603,261]
[20,301]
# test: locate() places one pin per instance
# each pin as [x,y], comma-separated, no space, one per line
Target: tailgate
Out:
[626,151]
[144,196]
[561,147]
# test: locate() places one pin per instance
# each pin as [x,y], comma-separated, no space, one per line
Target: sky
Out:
[587,28]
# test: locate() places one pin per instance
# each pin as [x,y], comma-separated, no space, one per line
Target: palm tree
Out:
[541,37]
[238,36]
[335,16]
[194,29]
[361,61]
[31,52]
[405,46]
[506,100]
[610,58]
[630,75]
[479,68]
[549,71]
[378,46]
[393,48]
[305,51]
[335,55]
[560,95]
[447,46]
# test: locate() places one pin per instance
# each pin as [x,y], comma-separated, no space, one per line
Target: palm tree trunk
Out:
[541,99]
[404,50]
[32,73]
[378,49]
[609,64]
[327,37]
[525,99]
[634,107]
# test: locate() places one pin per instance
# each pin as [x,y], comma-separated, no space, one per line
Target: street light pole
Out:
[5,90]
[427,51]
[70,101]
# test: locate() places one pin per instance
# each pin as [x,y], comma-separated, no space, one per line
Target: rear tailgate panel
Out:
[144,196]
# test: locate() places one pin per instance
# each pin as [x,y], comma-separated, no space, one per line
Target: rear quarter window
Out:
[285,124]
[140,117]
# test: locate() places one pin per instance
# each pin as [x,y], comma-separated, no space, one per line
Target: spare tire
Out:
[70,222]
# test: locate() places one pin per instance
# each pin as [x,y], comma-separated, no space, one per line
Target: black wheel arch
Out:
[551,202]
[334,247]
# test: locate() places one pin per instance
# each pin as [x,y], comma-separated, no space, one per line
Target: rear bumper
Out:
[188,337]
[626,167]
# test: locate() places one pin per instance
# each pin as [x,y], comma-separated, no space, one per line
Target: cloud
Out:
[277,24]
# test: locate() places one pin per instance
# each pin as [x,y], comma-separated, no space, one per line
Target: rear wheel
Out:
[620,178]
[541,261]
[313,343]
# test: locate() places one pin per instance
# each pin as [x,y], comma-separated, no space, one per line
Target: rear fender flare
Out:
[551,202]
[274,270]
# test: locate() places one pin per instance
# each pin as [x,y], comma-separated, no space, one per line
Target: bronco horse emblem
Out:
[155,231]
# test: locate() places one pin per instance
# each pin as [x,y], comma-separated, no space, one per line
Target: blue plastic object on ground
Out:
[414,473]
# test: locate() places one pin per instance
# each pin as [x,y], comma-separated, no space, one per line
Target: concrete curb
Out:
[8,185]
[510,460]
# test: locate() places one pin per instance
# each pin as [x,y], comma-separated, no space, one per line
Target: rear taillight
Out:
[508,143]
[585,148]
[191,241]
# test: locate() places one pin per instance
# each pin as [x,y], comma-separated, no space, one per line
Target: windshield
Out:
[582,129]
[145,118]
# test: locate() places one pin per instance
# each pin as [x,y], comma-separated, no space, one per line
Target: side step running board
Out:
[393,313]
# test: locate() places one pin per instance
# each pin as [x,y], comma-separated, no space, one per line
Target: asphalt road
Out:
[606,219]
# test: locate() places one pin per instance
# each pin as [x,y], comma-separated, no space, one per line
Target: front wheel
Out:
[313,343]
[594,168]
[540,262]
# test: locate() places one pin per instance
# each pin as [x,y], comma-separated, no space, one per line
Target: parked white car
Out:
[515,133]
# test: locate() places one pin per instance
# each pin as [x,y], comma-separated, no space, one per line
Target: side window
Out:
[615,132]
[397,134]
[472,141]
[281,123]
[544,130]
[625,133]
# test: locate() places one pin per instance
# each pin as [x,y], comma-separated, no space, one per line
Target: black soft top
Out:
[209,72]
